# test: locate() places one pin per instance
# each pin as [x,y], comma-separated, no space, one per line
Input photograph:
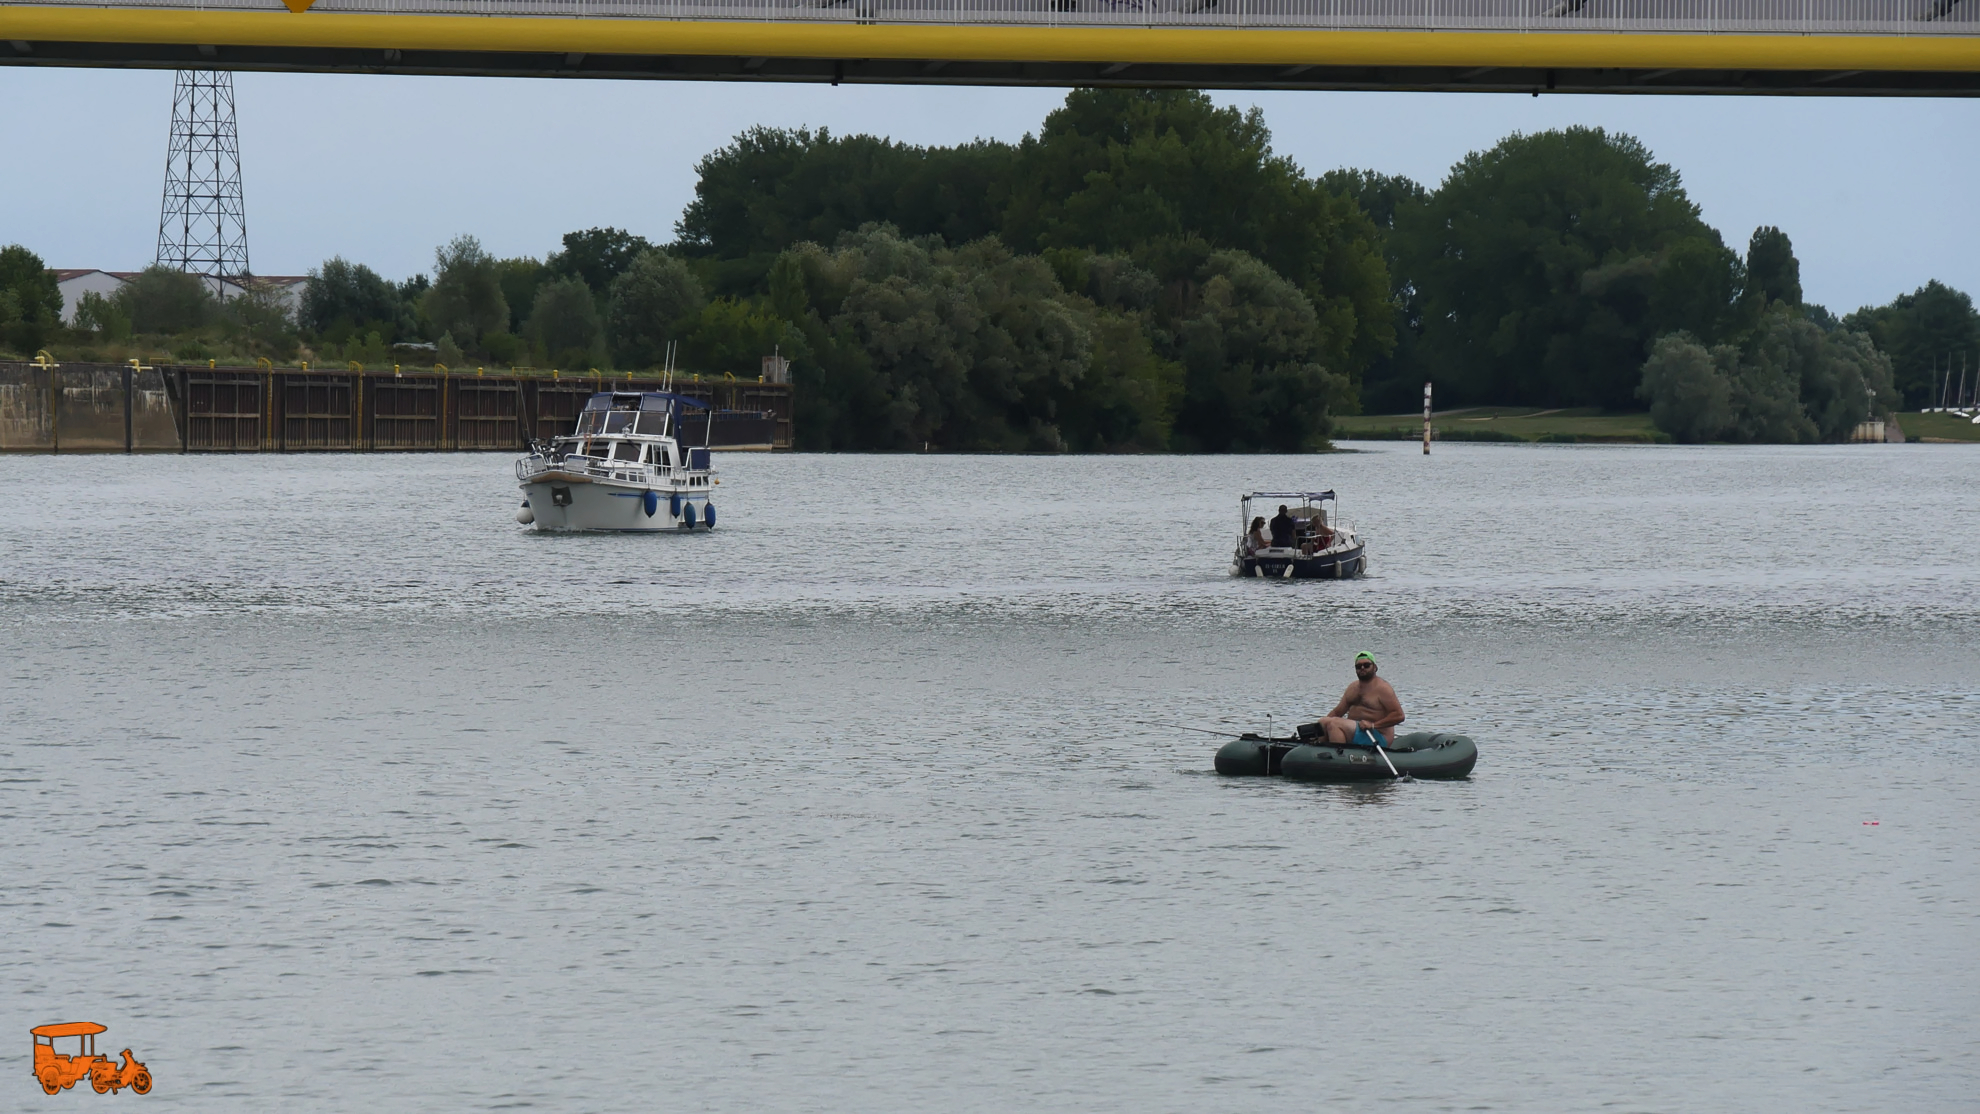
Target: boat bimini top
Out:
[1310,496]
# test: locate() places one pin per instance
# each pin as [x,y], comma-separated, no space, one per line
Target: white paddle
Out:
[1378,750]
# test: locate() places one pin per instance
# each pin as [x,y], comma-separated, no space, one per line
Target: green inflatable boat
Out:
[1422,754]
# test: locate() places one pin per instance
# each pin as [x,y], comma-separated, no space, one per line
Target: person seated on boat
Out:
[1318,535]
[1255,541]
[1368,712]
[1283,527]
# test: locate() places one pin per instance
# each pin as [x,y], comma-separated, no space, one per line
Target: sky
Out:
[1876,193]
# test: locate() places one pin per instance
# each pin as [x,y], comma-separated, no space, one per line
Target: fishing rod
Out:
[1181,727]
[1270,738]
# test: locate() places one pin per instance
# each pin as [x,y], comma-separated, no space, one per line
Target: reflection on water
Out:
[329,787]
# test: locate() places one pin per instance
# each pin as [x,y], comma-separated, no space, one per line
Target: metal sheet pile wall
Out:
[115,408]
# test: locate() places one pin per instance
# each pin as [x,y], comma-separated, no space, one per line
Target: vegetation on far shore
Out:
[1509,423]
[1939,427]
[1144,274]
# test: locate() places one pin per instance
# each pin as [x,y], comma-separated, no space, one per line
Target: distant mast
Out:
[1426,419]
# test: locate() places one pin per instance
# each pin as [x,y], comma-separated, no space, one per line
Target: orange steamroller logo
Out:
[58,1071]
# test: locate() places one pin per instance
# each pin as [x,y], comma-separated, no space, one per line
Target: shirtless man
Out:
[1369,710]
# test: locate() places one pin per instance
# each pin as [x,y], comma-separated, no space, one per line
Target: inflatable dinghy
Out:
[1421,754]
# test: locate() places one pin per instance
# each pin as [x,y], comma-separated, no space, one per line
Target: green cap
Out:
[1364,656]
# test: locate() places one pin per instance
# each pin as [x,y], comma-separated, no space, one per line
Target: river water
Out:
[326,787]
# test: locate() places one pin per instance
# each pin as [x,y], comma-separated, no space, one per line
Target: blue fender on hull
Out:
[652,502]
[674,504]
[710,508]
[687,515]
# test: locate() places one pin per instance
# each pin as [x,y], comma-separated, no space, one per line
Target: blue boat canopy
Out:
[646,400]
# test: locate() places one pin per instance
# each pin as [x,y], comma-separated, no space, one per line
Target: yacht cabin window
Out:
[627,450]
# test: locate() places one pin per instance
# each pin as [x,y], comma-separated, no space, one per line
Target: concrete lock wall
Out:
[85,408]
[25,410]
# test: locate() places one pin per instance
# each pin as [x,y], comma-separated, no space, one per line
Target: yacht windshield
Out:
[617,421]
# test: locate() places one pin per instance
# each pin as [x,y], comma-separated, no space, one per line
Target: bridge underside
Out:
[1807,47]
[940,71]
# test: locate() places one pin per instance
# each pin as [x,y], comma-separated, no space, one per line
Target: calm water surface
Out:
[328,788]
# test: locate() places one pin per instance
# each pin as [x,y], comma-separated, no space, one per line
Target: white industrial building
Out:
[74,283]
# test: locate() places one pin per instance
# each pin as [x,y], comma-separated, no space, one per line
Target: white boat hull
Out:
[582,503]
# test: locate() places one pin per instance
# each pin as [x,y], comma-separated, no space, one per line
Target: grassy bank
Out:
[1938,427]
[1505,423]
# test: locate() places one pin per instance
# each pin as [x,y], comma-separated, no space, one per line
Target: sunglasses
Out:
[1364,665]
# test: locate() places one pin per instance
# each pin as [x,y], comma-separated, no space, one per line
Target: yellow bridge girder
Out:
[1198,54]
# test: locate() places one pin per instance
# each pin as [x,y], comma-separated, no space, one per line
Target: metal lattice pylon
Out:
[202,227]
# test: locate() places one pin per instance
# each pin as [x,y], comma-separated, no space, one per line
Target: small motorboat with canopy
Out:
[1323,545]
[623,468]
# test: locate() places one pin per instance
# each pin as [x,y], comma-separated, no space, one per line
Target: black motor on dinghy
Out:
[1420,754]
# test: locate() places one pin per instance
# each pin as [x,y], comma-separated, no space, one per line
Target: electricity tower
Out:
[202,226]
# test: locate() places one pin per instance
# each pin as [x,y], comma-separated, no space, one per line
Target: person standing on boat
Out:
[1369,710]
[1283,527]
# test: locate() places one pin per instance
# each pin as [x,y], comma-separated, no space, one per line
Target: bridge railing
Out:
[1895,17]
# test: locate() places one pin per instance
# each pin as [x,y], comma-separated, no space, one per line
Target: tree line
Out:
[1145,273]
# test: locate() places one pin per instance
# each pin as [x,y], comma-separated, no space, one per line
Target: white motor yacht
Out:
[623,469]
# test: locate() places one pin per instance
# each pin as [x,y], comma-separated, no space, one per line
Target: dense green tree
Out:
[1543,269]
[650,303]
[413,291]
[1118,169]
[965,348]
[597,256]
[1126,194]
[466,299]
[1793,382]
[1689,387]
[30,301]
[1030,350]
[1166,175]
[519,279]
[564,324]
[732,335]
[259,318]
[1924,332]
[98,314]
[1252,346]
[1773,274]
[1839,378]
[344,298]
[1380,195]
[163,300]
[1393,377]
[1129,395]
[772,188]
[912,318]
